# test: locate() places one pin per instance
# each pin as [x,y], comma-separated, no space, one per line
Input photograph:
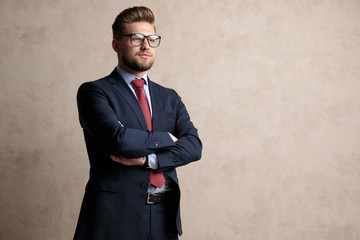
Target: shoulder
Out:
[167,96]
[95,83]
[102,83]
[163,90]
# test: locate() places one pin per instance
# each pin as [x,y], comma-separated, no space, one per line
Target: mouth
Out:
[145,55]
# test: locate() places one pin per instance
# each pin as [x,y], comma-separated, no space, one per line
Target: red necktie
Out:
[156,179]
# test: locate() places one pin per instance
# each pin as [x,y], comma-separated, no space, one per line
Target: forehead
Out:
[139,27]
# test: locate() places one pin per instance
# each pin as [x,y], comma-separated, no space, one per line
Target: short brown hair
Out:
[131,15]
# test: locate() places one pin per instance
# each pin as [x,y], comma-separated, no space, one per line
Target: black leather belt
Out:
[153,198]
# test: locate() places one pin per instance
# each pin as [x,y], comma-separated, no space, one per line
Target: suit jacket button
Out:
[143,185]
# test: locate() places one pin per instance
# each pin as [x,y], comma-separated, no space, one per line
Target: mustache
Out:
[145,52]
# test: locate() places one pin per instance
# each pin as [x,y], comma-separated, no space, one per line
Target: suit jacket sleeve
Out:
[97,117]
[188,148]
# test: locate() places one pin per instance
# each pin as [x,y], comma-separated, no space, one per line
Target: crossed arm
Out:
[130,146]
[131,161]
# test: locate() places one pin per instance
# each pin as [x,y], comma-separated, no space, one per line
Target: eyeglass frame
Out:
[144,36]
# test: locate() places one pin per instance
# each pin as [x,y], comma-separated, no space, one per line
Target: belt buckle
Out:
[156,198]
[148,199]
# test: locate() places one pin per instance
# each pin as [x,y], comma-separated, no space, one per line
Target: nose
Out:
[145,44]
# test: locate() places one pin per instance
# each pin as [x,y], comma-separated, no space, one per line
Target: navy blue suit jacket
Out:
[115,194]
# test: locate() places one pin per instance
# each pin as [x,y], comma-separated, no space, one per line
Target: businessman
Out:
[136,133]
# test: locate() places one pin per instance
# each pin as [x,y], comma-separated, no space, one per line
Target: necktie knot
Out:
[138,83]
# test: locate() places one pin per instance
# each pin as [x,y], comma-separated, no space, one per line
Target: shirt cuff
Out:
[153,161]
[152,158]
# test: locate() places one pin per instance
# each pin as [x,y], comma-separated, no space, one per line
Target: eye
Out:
[137,37]
[154,37]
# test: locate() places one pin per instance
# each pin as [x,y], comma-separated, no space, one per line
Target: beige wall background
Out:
[273,87]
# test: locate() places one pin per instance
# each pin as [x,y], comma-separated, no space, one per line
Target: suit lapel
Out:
[120,86]
[155,104]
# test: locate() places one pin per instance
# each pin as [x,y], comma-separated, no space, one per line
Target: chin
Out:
[143,67]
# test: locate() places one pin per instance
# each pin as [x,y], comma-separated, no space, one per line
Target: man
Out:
[137,133]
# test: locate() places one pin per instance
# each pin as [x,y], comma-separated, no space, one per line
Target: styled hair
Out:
[131,15]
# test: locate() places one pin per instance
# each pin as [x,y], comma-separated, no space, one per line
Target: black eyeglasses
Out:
[137,39]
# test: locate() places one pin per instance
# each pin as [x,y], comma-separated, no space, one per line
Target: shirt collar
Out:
[128,77]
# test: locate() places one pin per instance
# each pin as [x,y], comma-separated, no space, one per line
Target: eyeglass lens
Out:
[138,39]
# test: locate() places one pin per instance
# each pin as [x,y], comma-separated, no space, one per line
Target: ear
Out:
[115,45]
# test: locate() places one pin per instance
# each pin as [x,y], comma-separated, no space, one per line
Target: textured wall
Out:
[273,87]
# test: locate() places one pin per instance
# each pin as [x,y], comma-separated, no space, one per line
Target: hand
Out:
[173,137]
[129,161]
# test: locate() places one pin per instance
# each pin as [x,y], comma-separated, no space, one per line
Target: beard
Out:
[137,65]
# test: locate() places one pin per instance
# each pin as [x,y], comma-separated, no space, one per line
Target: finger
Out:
[114,158]
[121,123]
